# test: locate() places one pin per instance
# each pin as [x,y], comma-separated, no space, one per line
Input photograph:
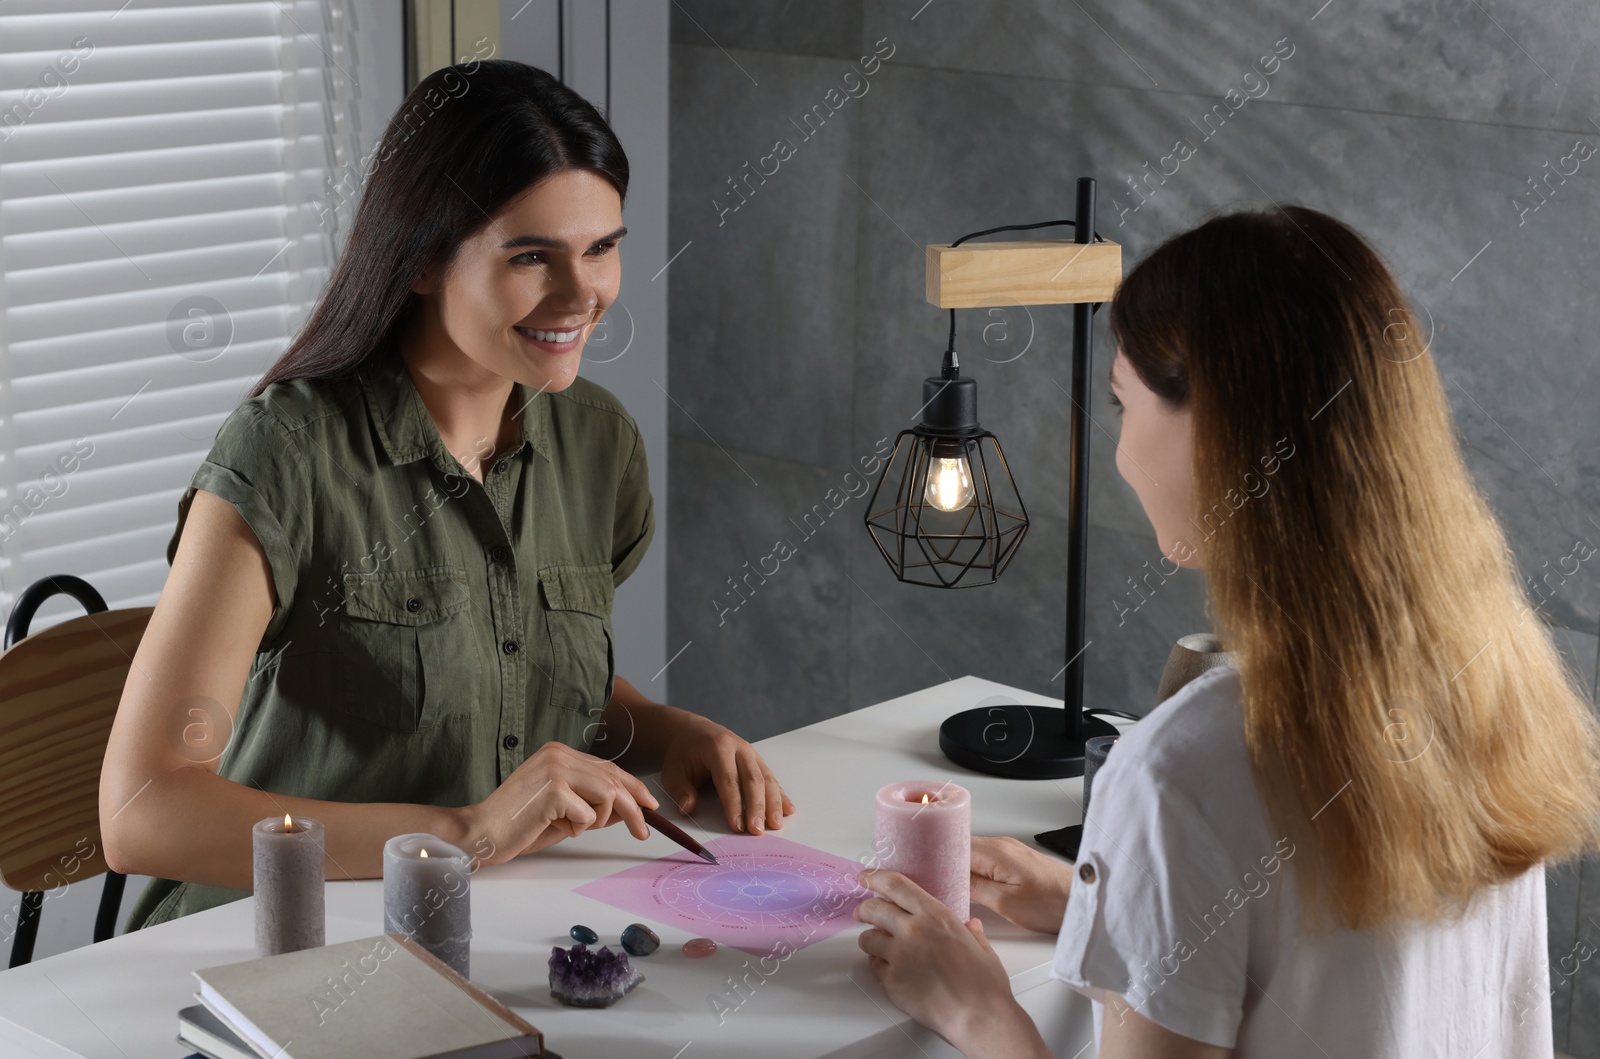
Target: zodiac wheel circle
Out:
[775,893]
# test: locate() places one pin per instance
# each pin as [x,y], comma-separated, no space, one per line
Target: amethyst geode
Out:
[588,979]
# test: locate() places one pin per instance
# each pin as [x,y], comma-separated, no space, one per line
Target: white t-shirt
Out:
[1184,903]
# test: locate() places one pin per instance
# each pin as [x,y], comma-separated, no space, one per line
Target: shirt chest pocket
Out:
[578,615]
[407,646]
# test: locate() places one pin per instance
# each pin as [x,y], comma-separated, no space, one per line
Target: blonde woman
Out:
[1336,845]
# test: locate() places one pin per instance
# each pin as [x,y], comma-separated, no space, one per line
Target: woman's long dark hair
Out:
[468,139]
[1407,714]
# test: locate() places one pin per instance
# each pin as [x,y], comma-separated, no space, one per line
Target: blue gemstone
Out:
[639,940]
[583,935]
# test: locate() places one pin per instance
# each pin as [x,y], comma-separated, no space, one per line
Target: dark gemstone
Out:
[588,979]
[583,934]
[639,940]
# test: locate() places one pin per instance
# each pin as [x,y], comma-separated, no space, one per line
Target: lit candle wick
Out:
[424,854]
[924,798]
[288,825]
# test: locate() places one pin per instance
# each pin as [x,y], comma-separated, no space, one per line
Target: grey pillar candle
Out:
[289,885]
[1095,751]
[427,887]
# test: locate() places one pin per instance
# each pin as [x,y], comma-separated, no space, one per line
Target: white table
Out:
[119,999]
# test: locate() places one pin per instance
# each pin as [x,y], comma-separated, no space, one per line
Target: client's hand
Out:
[1022,884]
[941,971]
[557,793]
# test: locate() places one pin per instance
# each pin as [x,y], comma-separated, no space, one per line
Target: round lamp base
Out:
[1017,741]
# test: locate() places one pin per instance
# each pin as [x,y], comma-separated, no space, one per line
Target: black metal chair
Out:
[59,692]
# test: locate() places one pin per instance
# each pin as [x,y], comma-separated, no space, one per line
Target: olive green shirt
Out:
[431,631]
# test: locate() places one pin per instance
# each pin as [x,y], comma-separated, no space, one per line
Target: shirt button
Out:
[500,467]
[510,742]
[509,647]
[1086,872]
[413,604]
[500,554]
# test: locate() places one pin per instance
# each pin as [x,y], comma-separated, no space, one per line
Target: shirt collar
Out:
[406,429]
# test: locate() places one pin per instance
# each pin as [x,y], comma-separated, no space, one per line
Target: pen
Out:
[676,833]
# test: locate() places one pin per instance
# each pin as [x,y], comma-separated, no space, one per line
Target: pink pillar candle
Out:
[925,832]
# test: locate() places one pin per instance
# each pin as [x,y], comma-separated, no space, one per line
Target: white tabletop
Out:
[120,998]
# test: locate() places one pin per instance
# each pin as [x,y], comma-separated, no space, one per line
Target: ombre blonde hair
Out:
[1409,719]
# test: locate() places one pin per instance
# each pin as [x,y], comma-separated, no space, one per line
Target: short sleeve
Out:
[1155,913]
[635,521]
[255,465]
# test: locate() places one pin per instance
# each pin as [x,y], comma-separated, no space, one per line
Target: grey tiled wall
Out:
[800,334]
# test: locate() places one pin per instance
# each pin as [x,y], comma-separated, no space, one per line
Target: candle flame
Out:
[287,823]
[924,798]
[424,854]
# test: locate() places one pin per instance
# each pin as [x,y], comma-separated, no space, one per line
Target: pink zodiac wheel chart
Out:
[764,889]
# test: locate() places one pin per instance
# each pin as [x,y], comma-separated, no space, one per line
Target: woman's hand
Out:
[698,749]
[1022,884]
[557,793]
[941,971]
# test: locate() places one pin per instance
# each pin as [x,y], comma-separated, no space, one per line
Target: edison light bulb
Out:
[949,483]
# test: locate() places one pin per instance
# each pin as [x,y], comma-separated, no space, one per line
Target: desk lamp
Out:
[953,517]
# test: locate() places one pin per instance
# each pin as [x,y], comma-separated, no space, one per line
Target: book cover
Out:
[383,995]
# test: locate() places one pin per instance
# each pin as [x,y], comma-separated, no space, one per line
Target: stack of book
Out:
[384,995]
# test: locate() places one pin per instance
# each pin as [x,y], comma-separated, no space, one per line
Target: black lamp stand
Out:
[1043,742]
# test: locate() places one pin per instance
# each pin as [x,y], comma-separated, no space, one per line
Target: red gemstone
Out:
[695,948]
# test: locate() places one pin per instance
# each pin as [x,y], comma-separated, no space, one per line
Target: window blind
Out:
[176,178]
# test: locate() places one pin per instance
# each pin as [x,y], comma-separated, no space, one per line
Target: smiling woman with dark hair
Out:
[389,607]
[1335,844]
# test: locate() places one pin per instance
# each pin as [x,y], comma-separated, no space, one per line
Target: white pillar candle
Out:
[925,829]
[426,896]
[289,884]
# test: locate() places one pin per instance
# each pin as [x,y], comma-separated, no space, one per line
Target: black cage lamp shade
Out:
[946,511]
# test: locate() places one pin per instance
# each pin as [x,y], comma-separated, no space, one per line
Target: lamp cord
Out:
[952,366]
[1020,228]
